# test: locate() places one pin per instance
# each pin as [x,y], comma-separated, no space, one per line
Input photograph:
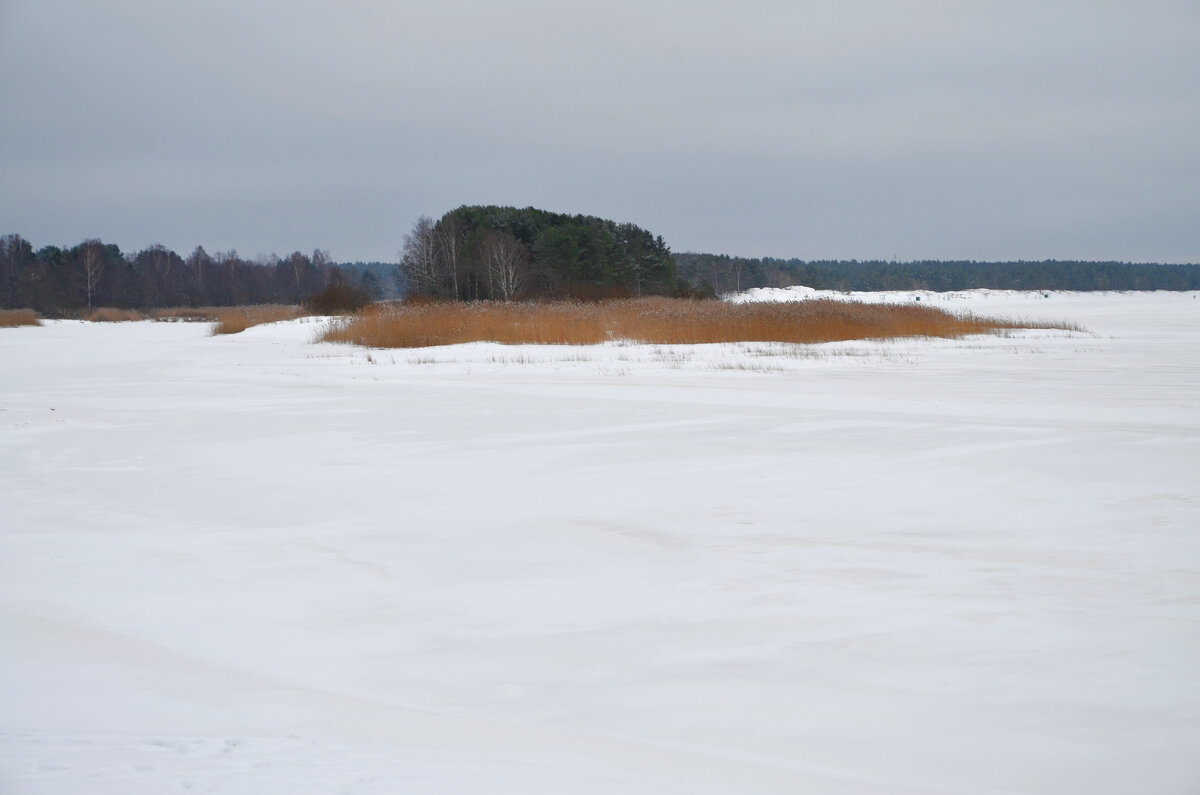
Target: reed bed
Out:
[662,321]
[231,320]
[11,318]
[254,314]
[108,314]
[228,319]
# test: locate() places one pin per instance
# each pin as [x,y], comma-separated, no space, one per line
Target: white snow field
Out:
[254,564]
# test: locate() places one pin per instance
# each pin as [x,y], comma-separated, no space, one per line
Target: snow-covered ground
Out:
[255,564]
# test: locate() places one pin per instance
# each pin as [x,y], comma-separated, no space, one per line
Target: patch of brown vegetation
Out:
[11,318]
[108,314]
[231,320]
[663,321]
[337,299]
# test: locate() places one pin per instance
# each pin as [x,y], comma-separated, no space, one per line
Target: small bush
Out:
[337,299]
[108,314]
[11,318]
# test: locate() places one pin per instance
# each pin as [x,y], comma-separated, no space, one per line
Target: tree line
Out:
[55,280]
[504,253]
[725,274]
[491,252]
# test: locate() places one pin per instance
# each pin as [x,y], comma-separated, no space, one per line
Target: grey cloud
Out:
[860,129]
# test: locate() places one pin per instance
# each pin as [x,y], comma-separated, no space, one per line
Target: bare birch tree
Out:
[450,237]
[506,261]
[91,258]
[418,261]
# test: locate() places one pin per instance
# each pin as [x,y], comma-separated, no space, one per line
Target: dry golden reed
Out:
[664,321]
[231,320]
[108,314]
[11,318]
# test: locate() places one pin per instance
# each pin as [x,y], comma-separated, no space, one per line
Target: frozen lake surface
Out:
[254,564]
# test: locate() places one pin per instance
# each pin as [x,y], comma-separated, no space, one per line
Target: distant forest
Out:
[55,281]
[725,274]
[504,253]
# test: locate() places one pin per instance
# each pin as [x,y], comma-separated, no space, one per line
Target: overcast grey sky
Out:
[849,129]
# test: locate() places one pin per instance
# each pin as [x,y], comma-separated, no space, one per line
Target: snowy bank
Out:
[257,564]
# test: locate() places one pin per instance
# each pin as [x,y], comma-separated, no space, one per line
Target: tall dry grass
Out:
[227,319]
[108,314]
[11,318]
[231,320]
[655,320]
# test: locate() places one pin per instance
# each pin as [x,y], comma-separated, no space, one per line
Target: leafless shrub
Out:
[337,299]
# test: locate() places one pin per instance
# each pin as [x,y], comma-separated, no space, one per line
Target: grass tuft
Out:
[664,321]
[11,318]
